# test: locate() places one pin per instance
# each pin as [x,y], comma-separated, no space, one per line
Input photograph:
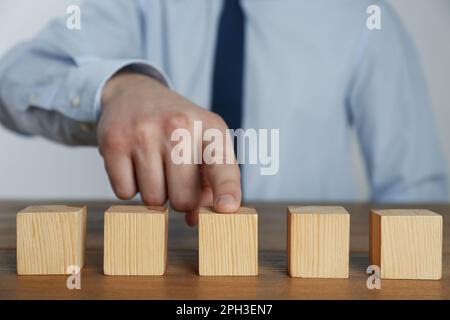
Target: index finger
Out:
[221,168]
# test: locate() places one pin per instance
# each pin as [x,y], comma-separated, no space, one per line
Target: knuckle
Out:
[228,187]
[154,199]
[181,202]
[113,139]
[145,132]
[123,192]
[215,120]
[176,121]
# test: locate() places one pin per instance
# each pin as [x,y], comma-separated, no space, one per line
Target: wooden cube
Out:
[228,243]
[135,240]
[318,242]
[50,239]
[406,244]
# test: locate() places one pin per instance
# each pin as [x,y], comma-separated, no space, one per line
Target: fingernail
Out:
[192,218]
[226,203]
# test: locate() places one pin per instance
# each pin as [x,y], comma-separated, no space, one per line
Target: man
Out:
[140,69]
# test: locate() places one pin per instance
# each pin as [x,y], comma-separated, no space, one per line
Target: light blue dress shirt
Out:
[313,70]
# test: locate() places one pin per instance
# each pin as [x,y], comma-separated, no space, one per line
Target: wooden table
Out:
[182,281]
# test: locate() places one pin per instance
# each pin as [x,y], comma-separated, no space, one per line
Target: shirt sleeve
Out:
[390,110]
[51,85]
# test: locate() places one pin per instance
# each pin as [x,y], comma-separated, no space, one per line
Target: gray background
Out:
[33,168]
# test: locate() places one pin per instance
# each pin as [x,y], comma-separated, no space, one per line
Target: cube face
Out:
[135,240]
[407,244]
[318,242]
[228,243]
[50,239]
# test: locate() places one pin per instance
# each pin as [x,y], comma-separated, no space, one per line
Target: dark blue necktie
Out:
[229,65]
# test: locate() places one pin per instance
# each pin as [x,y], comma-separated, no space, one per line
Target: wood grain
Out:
[228,243]
[50,239]
[181,280]
[318,242]
[407,244]
[135,240]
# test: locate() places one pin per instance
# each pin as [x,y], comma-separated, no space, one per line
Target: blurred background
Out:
[32,168]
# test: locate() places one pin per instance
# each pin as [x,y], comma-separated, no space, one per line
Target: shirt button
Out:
[76,102]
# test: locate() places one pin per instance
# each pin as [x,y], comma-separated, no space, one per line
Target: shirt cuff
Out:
[138,66]
[79,96]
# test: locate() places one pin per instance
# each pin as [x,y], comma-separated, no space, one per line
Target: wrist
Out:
[121,82]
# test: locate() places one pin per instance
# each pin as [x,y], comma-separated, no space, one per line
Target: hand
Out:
[134,137]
